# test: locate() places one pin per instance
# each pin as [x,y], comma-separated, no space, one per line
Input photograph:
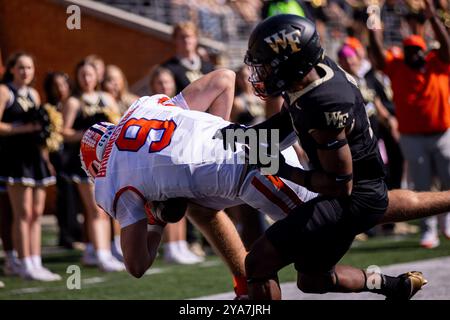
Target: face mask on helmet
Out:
[282,50]
[93,146]
[259,74]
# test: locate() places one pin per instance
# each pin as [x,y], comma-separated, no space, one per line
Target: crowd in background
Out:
[402,72]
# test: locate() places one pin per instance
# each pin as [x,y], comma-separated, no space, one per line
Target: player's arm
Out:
[139,240]
[280,121]
[142,224]
[139,246]
[214,92]
[335,177]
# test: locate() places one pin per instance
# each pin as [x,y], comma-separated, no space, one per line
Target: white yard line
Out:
[436,271]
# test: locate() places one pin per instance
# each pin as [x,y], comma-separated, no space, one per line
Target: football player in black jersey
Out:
[324,108]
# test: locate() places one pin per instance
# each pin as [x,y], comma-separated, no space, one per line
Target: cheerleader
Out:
[86,108]
[24,165]
[58,90]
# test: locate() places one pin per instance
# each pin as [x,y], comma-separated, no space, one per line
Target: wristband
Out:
[155,228]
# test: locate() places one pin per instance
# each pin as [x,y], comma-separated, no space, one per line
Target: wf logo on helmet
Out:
[283,39]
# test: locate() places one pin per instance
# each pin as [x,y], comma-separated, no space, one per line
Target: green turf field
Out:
[181,282]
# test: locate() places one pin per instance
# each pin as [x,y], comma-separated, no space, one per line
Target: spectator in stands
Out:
[186,65]
[420,83]
[174,240]
[99,65]
[392,13]
[58,90]
[273,7]
[115,83]
[25,166]
[86,108]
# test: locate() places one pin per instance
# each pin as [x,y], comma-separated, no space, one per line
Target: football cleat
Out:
[410,283]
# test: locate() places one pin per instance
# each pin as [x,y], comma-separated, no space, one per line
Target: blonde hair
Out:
[184,26]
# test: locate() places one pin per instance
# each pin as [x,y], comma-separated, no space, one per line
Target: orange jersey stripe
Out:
[270,195]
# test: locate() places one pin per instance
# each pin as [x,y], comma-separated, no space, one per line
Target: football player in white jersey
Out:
[158,156]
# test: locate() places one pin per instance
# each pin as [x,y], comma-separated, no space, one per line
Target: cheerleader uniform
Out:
[21,155]
[88,115]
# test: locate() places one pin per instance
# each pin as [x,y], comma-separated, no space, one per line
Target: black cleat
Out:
[409,284]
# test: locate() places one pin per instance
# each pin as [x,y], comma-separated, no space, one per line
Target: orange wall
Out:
[39,27]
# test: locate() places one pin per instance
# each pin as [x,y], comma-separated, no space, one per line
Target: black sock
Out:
[385,285]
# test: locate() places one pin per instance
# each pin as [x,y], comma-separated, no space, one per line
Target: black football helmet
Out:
[282,49]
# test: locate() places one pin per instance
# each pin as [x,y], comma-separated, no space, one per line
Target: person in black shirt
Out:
[186,66]
[326,110]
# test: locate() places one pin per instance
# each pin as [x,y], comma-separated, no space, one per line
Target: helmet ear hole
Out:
[288,46]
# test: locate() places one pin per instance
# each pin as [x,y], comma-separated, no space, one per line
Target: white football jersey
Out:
[161,151]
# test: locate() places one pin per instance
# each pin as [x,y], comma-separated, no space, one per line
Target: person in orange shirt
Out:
[420,82]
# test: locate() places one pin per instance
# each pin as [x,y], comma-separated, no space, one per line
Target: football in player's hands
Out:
[171,210]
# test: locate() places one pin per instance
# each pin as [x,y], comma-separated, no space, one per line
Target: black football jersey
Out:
[334,102]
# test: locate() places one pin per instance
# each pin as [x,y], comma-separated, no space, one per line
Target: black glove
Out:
[284,170]
[170,211]
[222,134]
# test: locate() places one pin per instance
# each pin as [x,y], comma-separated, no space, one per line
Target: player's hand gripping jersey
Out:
[159,151]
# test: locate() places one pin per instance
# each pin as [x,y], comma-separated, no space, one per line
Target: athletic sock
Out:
[36,261]
[27,263]
[103,254]
[381,284]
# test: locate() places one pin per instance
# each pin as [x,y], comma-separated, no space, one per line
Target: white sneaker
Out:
[111,264]
[34,274]
[89,258]
[183,249]
[11,268]
[179,259]
[2,285]
[429,240]
[47,274]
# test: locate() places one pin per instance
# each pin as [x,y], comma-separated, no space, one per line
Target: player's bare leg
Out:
[350,279]
[213,92]
[221,233]
[407,205]
[262,265]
